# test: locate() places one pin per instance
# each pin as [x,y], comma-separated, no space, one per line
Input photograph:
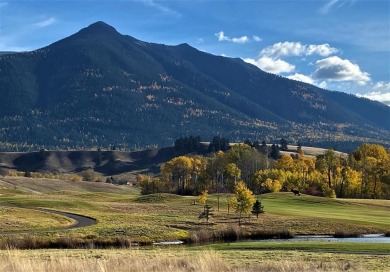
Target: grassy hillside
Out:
[108,163]
[124,215]
[120,164]
[120,210]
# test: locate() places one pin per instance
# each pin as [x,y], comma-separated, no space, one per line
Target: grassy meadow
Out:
[122,213]
[189,259]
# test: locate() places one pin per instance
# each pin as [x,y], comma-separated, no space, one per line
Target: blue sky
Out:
[341,45]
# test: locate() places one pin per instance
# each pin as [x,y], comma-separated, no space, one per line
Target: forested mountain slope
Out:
[100,88]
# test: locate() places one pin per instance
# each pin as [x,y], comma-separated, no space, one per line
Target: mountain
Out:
[100,88]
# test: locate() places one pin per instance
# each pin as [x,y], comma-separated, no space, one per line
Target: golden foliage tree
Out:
[244,199]
[203,197]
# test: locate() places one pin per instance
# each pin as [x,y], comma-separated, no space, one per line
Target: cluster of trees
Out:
[363,174]
[242,201]
[190,144]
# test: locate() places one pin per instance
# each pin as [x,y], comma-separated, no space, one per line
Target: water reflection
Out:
[368,238]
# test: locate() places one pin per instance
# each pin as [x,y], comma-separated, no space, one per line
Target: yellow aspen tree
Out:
[244,199]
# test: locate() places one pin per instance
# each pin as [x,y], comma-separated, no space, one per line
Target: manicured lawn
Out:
[337,247]
[162,217]
[362,212]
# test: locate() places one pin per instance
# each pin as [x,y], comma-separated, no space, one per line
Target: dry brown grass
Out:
[132,262]
[155,260]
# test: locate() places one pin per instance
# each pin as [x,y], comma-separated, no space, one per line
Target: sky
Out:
[339,45]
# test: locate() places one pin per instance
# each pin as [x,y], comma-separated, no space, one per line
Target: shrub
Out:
[89,175]
[314,191]
[346,234]
[269,234]
[329,192]
[74,178]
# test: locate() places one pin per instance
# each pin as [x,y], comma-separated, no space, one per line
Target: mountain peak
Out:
[99,28]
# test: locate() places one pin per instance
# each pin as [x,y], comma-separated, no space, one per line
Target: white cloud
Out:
[378,96]
[46,22]
[323,50]
[243,39]
[337,69]
[302,78]
[221,36]
[379,92]
[271,65]
[256,38]
[297,49]
[382,86]
[308,79]
[270,57]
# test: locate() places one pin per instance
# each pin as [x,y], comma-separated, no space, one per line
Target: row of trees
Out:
[242,201]
[363,174]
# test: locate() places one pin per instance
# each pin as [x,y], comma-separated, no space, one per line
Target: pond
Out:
[368,238]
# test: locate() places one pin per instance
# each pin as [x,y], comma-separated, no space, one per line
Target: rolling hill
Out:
[101,88]
[107,163]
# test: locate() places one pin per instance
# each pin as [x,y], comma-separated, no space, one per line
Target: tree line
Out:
[365,173]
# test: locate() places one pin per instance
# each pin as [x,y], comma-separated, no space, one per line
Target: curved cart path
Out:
[81,221]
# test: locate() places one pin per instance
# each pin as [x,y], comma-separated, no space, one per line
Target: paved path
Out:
[81,221]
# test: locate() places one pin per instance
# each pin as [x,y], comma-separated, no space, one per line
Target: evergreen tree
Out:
[257,208]
[283,144]
[275,153]
[218,143]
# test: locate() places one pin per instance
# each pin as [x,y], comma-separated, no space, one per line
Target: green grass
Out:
[366,213]
[161,217]
[15,219]
[345,247]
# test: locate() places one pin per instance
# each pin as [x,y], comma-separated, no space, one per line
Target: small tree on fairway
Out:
[207,212]
[203,197]
[257,208]
[244,199]
[231,202]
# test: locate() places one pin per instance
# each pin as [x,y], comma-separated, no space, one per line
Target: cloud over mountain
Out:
[271,65]
[242,40]
[283,49]
[270,58]
[379,92]
[337,69]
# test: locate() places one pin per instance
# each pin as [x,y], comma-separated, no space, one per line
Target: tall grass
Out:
[234,233]
[134,261]
[346,234]
[65,242]
[162,261]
